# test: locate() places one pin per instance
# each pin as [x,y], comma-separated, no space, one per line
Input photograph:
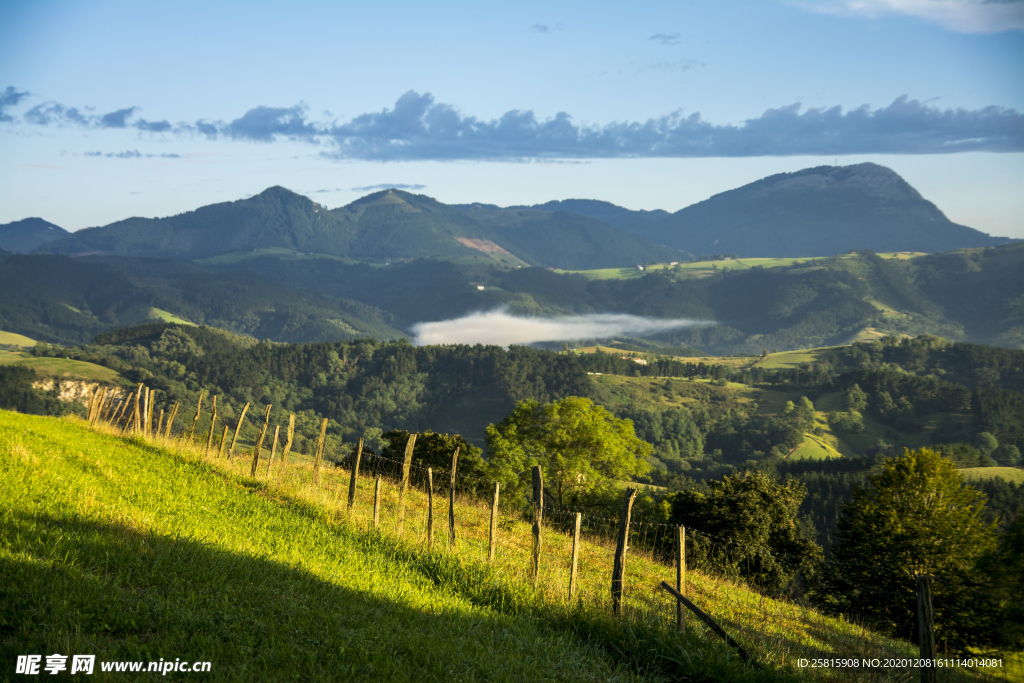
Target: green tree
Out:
[916,517]
[435,450]
[757,519]
[1007,455]
[581,448]
[986,442]
[856,399]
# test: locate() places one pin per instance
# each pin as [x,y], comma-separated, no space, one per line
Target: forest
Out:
[968,395]
[709,452]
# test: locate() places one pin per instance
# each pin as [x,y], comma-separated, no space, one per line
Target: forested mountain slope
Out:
[802,305]
[386,226]
[819,211]
[27,235]
[60,299]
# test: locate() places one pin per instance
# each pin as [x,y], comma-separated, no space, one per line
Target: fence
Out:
[392,480]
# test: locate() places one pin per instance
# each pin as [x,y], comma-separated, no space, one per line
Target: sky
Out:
[118,109]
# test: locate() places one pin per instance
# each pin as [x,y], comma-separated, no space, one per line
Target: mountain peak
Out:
[819,211]
[29,234]
[280,194]
[867,178]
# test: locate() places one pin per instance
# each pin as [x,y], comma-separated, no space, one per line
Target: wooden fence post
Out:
[259,442]
[493,538]
[451,502]
[96,404]
[121,410]
[112,405]
[409,446]
[706,619]
[199,407]
[926,628]
[290,436]
[376,503]
[145,411]
[355,475]
[223,442]
[213,421]
[160,424]
[149,412]
[621,545]
[430,509]
[105,397]
[680,576]
[320,445]
[238,428]
[92,404]
[575,556]
[273,449]
[170,420]
[538,519]
[136,419]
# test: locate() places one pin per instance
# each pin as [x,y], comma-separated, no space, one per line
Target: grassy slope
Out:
[1014,475]
[132,552]
[706,268]
[124,551]
[651,393]
[146,314]
[61,367]
[12,339]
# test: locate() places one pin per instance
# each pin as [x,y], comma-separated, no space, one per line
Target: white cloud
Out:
[498,327]
[963,16]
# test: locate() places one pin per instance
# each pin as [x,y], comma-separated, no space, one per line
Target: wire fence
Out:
[711,554]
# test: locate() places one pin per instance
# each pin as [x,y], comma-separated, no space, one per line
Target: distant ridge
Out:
[27,235]
[819,211]
[390,225]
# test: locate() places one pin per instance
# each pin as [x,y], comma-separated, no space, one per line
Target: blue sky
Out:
[118,109]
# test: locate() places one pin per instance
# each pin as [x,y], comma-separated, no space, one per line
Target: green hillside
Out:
[1014,475]
[774,304]
[382,227]
[13,339]
[815,212]
[61,368]
[27,235]
[136,552]
[60,299]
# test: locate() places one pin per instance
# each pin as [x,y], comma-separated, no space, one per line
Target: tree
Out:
[856,399]
[916,517]
[581,448]
[435,450]
[986,442]
[1007,455]
[757,517]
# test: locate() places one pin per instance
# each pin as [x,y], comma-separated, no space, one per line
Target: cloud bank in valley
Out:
[421,129]
[499,328]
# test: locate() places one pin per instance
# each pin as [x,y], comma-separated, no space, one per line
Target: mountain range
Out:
[279,266]
[820,211]
[386,226]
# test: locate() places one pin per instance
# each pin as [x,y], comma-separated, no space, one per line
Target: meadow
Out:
[136,549]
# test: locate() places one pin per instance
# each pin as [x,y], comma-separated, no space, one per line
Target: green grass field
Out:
[233,257]
[132,551]
[62,368]
[13,339]
[786,360]
[1014,475]
[147,314]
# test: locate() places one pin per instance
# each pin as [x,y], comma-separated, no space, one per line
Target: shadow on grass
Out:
[75,586]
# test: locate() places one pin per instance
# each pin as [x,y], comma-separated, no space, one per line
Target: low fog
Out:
[500,328]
